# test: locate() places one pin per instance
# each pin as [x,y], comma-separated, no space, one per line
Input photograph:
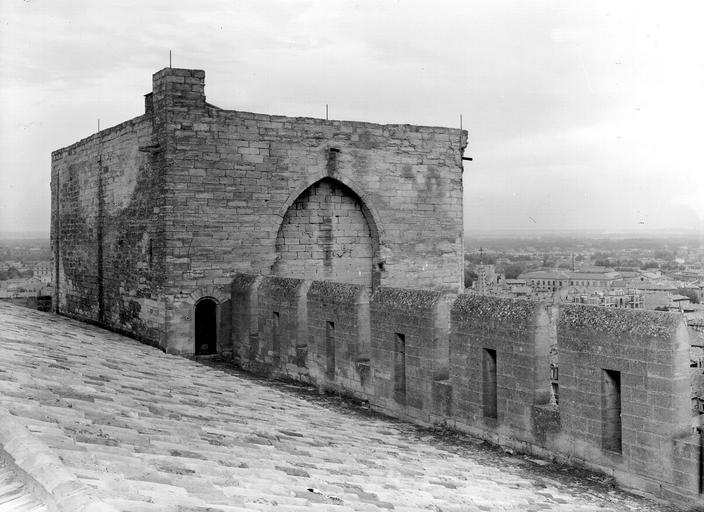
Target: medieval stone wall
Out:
[376,205]
[625,392]
[483,365]
[410,350]
[339,347]
[236,175]
[500,365]
[190,194]
[106,231]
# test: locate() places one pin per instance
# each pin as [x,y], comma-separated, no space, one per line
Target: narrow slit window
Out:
[275,338]
[554,385]
[330,349]
[489,384]
[611,410]
[555,388]
[400,368]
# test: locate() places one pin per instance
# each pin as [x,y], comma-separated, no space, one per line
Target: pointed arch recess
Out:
[328,232]
[370,212]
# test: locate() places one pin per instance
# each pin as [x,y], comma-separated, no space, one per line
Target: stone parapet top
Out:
[648,324]
[337,123]
[406,298]
[97,136]
[482,307]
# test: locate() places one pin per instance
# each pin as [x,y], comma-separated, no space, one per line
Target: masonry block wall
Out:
[409,349]
[339,336]
[283,325]
[107,231]
[192,194]
[325,235]
[486,365]
[237,176]
[245,317]
[625,392]
[500,365]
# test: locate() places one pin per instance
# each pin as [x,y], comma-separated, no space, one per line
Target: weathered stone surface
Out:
[644,357]
[521,373]
[185,436]
[339,334]
[331,252]
[507,339]
[175,202]
[409,349]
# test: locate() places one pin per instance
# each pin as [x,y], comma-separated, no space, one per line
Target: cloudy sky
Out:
[581,115]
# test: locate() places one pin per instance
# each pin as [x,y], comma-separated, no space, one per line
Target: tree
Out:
[514,270]
[689,292]
[469,277]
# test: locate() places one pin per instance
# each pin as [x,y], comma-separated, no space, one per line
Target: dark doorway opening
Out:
[206,327]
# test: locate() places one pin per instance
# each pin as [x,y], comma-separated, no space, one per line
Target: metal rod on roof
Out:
[169,59]
[326,112]
[468,158]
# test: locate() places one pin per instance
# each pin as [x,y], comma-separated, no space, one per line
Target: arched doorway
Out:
[329,234]
[206,327]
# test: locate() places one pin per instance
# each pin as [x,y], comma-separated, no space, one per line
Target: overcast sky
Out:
[581,115]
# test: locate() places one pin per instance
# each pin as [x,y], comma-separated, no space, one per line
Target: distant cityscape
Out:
[25,272]
[658,273]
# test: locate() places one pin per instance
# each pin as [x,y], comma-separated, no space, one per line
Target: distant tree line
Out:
[13,273]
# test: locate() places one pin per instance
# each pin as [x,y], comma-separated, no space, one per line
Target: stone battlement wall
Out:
[489,366]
